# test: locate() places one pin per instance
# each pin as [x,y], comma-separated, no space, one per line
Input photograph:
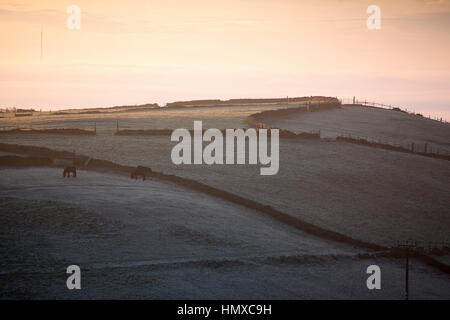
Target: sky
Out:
[143,51]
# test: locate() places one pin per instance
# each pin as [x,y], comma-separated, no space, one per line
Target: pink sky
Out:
[134,52]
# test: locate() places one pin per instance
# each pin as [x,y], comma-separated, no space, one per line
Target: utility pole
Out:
[42,36]
[406,246]
[407,275]
[419,248]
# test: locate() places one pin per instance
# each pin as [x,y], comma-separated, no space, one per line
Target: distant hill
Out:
[246,101]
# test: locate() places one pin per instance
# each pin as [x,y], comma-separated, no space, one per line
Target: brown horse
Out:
[68,170]
[141,172]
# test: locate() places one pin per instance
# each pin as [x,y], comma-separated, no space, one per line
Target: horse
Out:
[141,171]
[68,170]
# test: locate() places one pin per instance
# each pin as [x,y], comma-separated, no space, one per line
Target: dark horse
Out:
[141,171]
[69,170]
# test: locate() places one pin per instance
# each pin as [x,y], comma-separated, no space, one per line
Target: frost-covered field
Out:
[157,240]
[370,194]
[151,239]
[385,126]
[374,195]
[163,210]
[161,118]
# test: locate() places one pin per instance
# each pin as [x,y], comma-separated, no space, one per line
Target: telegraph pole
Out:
[42,36]
[407,245]
[407,275]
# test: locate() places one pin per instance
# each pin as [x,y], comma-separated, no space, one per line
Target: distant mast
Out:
[42,36]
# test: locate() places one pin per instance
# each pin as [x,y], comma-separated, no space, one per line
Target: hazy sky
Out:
[134,52]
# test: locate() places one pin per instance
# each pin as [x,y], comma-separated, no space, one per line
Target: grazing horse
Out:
[69,170]
[141,171]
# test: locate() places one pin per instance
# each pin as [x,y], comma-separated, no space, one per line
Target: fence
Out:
[424,149]
[429,247]
[380,105]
